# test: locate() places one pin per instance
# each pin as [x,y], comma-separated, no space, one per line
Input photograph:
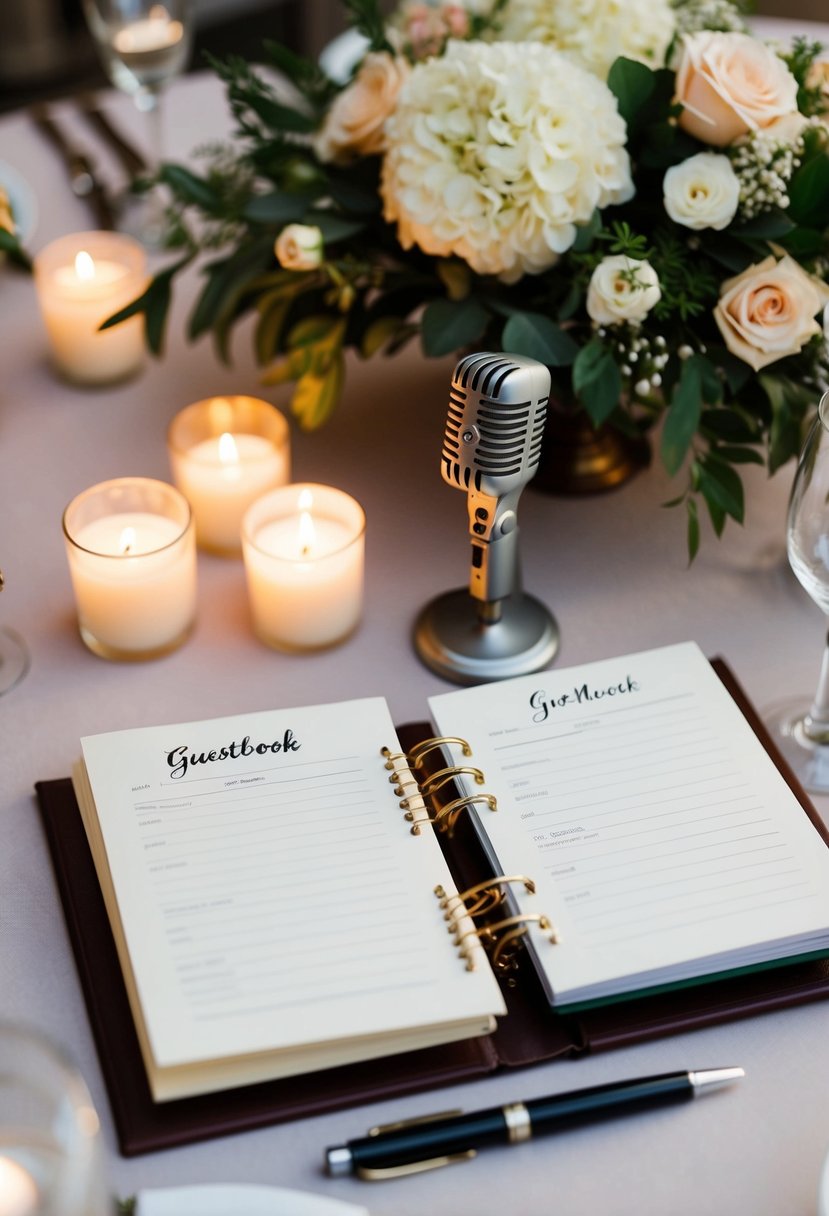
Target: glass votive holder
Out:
[50,1151]
[303,547]
[225,452]
[81,280]
[131,548]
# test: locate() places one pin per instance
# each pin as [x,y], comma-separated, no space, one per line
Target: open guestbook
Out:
[568,859]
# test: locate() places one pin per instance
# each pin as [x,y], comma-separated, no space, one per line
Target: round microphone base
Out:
[451,639]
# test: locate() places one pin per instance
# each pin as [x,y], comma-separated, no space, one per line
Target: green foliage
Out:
[366,17]
[536,336]
[11,247]
[450,325]
[597,381]
[799,60]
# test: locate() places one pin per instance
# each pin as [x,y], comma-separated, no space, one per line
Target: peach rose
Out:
[299,247]
[354,124]
[730,84]
[768,311]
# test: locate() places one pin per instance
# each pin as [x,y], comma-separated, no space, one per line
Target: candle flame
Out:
[307,531]
[84,266]
[228,451]
[127,540]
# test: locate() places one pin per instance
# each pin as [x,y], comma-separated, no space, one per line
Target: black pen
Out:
[435,1140]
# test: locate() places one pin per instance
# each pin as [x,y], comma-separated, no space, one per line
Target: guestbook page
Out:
[268,888]
[660,835]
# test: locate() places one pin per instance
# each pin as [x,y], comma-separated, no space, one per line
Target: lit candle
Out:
[225,453]
[18,1192]
[132,558]
[82,280]
[303,547]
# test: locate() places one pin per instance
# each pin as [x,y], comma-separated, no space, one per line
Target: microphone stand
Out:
[493,630]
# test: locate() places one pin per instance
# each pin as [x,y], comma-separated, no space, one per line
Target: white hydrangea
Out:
[593,32]
[496,152]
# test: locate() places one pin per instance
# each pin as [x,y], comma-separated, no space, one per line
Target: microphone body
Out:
[491,449]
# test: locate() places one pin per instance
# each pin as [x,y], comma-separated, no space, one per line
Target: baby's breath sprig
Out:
[765,165]
[694,15]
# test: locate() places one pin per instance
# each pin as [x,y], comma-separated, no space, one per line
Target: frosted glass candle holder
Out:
[225,452]
[50,1151]
[303,548]
[132,556]
[81,280]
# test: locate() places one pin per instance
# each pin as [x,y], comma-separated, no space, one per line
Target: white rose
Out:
[768,311]
[299,247]
[730,84]
[702,192]
[354,125]
[622,289]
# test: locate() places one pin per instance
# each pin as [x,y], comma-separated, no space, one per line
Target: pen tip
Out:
[713,1078]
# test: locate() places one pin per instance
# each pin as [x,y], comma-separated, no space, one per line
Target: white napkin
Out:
[240,1200]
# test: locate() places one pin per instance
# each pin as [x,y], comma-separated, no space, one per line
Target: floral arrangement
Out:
[634,192]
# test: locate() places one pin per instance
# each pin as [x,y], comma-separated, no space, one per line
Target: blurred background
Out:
[45,50]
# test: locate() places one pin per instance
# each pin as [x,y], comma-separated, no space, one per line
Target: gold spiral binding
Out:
[505,955]
[422,749]
[443,776]
[452,810]
[491,893]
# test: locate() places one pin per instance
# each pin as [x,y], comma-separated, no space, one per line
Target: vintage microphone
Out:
[491,449]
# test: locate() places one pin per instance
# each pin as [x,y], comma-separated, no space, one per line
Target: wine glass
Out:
[143,45]
[14,656]
[803,730]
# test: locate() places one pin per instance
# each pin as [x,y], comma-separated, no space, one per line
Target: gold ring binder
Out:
[490,894]
[497,880]
[421,749]
[443,776]
[502,959]
[452,810]
[391,757]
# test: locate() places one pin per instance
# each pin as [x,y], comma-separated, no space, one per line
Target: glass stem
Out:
[816,725]
[148,101]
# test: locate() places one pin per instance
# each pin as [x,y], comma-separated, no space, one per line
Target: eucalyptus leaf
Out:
[537,337]
[191,188]
[597,381]
[277,207]
[721,485]
[632,83]
[693,530]
[809,192]
[683,414]
[450,325]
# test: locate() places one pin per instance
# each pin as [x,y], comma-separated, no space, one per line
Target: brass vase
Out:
[580,458]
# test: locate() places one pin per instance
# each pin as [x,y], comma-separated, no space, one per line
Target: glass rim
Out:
[299,486]
[196,406]
[118,557]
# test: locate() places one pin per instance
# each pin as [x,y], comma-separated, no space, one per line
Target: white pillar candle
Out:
[225,453]
[303,548]
[132,558]
[18,1191]
[81,280]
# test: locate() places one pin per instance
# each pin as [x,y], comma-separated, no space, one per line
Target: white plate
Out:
[22,198]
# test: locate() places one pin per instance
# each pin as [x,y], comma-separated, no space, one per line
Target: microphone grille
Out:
[499,396]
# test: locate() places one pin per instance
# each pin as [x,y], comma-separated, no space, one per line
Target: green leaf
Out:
[721,485]
[313,330]
[770,226]
[632,83]
[333,227]
[316,396]
[537,337]
[378,334]
[278,116]
[191,189]
[10,245]
[291,367]
[597,381]
[277,207]
[784,433]
[693,530]
[717,516]
[805,243]
[809,192]
[683,415]
[355,198]
[154,303]
[450,325]
[226,279]
[272,316]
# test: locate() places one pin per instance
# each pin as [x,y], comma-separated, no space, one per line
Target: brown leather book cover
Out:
[530,1033]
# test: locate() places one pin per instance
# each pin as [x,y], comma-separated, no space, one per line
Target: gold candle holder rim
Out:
[184,415]
[299,486]
[120,481]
